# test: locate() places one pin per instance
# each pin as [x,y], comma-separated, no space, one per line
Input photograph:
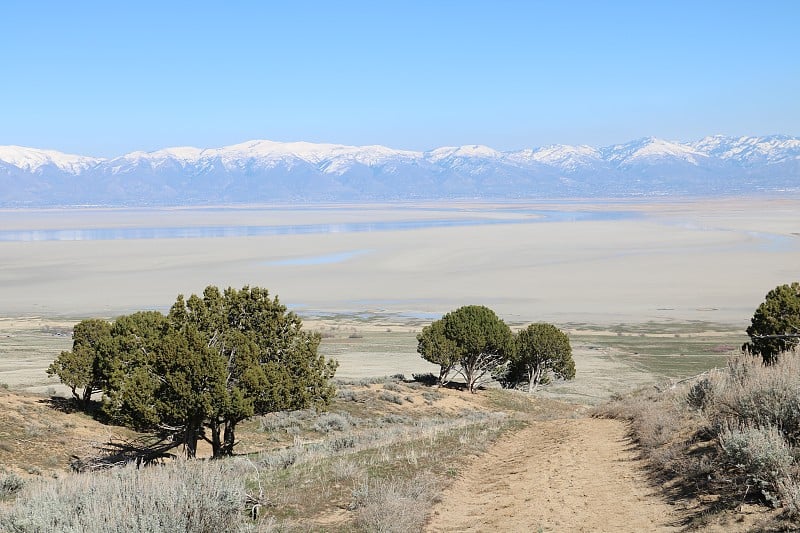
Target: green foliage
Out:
[435,347]
[779,314]
[541,349]
[270,364]
[484,342]
[212,362]
[79,369]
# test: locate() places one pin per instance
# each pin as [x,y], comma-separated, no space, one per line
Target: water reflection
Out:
[195,232]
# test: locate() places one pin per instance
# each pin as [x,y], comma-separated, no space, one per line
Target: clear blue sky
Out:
[105,78]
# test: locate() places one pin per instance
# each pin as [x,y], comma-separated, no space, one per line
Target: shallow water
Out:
[220,231]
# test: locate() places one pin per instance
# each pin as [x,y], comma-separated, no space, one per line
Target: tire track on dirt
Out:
[558,475]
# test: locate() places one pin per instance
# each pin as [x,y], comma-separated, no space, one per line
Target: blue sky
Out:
[105,78]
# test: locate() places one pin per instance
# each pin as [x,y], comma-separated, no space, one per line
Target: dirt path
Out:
[559,475]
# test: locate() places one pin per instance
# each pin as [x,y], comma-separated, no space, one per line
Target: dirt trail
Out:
[559,475]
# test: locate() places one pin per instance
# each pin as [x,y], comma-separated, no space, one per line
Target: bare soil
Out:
[557,475]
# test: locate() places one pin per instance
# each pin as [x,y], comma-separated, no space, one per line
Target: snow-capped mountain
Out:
[267,171]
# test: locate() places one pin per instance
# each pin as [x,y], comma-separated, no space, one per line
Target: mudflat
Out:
[710,260]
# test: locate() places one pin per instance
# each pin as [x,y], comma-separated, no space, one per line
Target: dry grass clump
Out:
[394,505]
[390,397]
[733,432]
[179,496]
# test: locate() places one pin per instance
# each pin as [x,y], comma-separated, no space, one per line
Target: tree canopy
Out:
[775,326]
[540,349]
[434,346]
[483,341]
[212,362]
[78,368]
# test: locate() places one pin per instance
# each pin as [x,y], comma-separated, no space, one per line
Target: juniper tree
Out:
[212,362]
[775,326]
[540,349]
[434,346]
[484,341]
[78,368]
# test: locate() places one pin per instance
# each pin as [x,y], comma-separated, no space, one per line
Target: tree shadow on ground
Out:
[142,451]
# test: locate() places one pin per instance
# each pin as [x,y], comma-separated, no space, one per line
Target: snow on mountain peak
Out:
[268,170]
[751,150]
[562,156]
[650,149]
[33,159]
[467,151]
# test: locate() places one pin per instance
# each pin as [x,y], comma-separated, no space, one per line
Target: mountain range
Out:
[275,172]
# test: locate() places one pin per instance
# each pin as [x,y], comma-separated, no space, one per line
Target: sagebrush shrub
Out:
[393,505]
[198,496]
[392,386]
[760,396]
[331,422]
[391,397]
[759,455]
[10,484]
[701,393]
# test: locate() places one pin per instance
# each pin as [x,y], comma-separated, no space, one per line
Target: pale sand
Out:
[557,475]
[686,260]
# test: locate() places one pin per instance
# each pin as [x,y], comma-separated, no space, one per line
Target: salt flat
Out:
[675,260]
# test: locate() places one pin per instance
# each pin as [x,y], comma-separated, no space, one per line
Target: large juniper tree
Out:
[212,362]
[271,364]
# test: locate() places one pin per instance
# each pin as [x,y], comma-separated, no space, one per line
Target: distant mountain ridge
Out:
[267,171]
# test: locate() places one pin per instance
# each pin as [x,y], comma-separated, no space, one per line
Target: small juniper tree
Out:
[541,349]
[435,347]
[78,369]
[775,326]
[484,341]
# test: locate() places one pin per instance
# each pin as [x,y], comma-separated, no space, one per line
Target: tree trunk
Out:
[223,438]
[469,376]
[87,396]
[216,441]
[190,443]
[442,375]
[191,435]
[230,438]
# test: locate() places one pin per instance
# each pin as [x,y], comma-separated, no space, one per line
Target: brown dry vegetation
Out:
[377,460]
[725,444]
